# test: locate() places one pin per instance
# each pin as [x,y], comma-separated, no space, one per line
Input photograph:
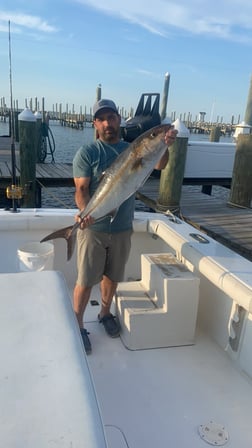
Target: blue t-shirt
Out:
[91,161]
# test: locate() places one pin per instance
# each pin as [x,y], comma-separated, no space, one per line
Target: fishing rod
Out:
[13,192]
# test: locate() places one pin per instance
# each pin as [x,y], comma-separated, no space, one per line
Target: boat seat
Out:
[160,310]
[47,394]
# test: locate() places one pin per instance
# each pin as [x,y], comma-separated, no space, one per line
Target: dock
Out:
[229,224]
[47,174]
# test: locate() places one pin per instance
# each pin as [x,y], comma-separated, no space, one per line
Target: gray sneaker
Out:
[111,326]
[86,340]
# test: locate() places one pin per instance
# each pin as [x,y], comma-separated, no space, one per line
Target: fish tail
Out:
[69,234]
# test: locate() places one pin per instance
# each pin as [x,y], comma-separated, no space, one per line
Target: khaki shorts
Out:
[101,254]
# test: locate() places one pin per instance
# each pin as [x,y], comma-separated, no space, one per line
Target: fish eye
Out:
[153,134]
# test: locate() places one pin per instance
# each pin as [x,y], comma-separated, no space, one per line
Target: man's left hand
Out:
[170,136]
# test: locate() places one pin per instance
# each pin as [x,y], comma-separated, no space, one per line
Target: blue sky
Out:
[63,49]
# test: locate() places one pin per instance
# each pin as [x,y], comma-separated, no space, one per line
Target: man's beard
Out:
[111,136]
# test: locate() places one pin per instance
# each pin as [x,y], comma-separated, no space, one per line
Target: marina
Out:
[177,370]
[182,361]
[210,213]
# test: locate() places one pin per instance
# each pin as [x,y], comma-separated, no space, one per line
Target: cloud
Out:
[148,73]
[20,22]
[230,20]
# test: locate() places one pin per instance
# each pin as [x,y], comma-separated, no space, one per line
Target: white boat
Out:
[178,376]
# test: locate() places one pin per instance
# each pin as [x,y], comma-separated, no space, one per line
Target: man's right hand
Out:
[84,222]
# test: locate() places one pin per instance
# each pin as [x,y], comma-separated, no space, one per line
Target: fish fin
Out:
[69,234]
[71,245]
[113,214]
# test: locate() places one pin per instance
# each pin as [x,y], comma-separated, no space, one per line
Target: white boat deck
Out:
[148,398]
[159,398]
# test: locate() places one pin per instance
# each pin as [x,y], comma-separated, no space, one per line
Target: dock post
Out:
[165,96]
[38,130]
[248,113]
[215,134]
[98,97]
[172,175]
[27,155]
[241,185]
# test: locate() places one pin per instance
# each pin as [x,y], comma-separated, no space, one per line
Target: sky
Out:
[62,50]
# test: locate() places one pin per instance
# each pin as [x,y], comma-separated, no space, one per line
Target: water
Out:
[68,141]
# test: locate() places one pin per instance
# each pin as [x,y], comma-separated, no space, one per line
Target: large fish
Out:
[122,179]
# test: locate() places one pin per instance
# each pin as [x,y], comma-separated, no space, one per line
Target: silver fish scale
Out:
[127,173]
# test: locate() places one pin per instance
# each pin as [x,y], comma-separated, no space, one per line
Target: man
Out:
[102,247]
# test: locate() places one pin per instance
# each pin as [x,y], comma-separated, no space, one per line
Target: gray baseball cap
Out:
[104,104]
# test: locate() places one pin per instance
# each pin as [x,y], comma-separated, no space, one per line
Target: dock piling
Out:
[165,96]
[241,185]
[27,154]
[215,134]
[172,176]
[248,113]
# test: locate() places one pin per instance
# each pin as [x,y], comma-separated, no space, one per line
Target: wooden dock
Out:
[230,225]
[215,216]
[47,174]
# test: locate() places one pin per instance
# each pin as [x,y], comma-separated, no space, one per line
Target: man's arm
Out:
[82,195]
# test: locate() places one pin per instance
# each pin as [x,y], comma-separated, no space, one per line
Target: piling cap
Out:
[26,115]
[104,104]
[181,128]
[242,128]
[38,115]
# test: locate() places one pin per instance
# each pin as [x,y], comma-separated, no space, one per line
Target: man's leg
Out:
[108,289]
[81,297]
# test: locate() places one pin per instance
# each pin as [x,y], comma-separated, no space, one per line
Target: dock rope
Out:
[48,191]
[45,139]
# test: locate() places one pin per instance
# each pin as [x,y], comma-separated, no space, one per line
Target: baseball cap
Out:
[104,104]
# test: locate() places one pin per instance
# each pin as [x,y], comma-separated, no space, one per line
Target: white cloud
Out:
[148,73]
[21,22]
[229,19]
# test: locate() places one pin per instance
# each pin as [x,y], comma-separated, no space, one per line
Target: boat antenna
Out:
[13,153]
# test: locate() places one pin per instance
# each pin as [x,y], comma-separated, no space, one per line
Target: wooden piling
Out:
[98,97]
[165,96]
[248,113]
[241,185]
[172,176]
[38,131]
[215,134]
[27,154]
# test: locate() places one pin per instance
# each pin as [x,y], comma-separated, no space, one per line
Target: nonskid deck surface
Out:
[161,397]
